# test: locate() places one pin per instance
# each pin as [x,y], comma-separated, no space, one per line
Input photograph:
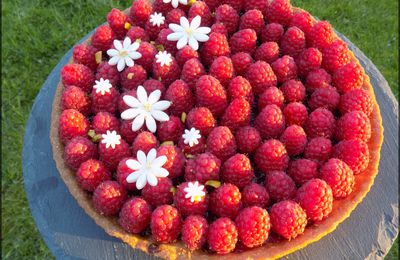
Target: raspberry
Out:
[72,124]
[272,32]
[219,28]
[165,224]
[126,131]
[271,96]
[138,33]
[174,16]
[293,42]
[248,139]
[221,142]
[261,76]
[353,125]
[167,73]
[318,149]
[280,186]
[228,16]
[303,170]
[194,232]
[288,219]
[324,97]
[336,55]
[202,119]
[85,54]
[104,121]
[77,75]
[321,35]
[202,168]
[103,38]
[270,122]
[285,69]
[181,97]
[315,197]
[222,69]
[239,87]
[106,71]
[349,77]
[192,70]
[222,236]
[356,100]
[318,79]
[302,20]
[243,41]
[279,11]
[241,62]
[237,170]
[111,156]
[211,94]
[160,194]
[339,177]
[105,101]
[255,194]
[195,149]
[148,52]
[310,59]
[201,9]
[216,46]
[271,155]
[164,8]
[212,4]
[117,20]
[135,215]
[237,114]
[170,130]
[252,19]
[79,150]
[151,85]
[108,198]
[253,226]
[295,139]
[169,46]
[75,98]
[226,201]
[236,4]
[122,106]
[185,205]
[293,90]
[185,54]
[140,11]
[175,160]
[154,30]
[354,153]
[256,4]
[295,114]
[92,173]
[123,171]
[144,141]
[320,123]
[268,52]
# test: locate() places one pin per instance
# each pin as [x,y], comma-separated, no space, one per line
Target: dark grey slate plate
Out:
[70,234]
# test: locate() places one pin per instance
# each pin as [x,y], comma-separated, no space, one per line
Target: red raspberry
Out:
[86,55]
[310,59]
[105,101]
[169,46]
[272,32]
[318,149]
[185,54]
[237,170]
[144,141]
[226,201]
[256,4]
[270,122]
[92,173]
[167,73]
[255,194]
[349,77]
[302,20]
[268,52]
[201,9]
[111,156]
[180,96]
[72,124]
[148,52]
[164,8]
[354,153]
[165,224]
[154,30]
[79,150]
[271,96]
[123,171]
[236,4]
[222,236]
[117,20]
[151,85]
[138,33]
[132,77]
[261,76]
[122,106]
[103,38]
[321,122]
[336,55]
[280,186]
[187,206]
[357,99]
[318,79]
[104,121]
[295,139]
[222,69]
[75,98]
[228,16]
[211,94]
[202,119]
[295,114]
[160,194]
[353,125]
[293,90]
[221,143]
[293,42]
[248,139]
[302,170]
[135,215]
[140,11]
[288,219]
[324,97]
[285,69]
[243,41]
[109,197]
[219,28]
[126,131]
[216,46]
[321,35]
[202,168]
[77,75]
[279,11]
[195,149]
[106,71]
[271,155]
[339,177]
[315,197]
[170,130]
[237,114]
[252,19]
[241,62]
[192,70]
[194,232]
[212,4]
[174,16]
[239,87]
[175,160]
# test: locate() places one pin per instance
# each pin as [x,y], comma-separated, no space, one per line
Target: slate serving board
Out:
[71,234]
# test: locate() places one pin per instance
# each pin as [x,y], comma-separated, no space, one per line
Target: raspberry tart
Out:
[245,129]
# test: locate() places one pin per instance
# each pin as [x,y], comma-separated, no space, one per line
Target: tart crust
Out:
[270,250]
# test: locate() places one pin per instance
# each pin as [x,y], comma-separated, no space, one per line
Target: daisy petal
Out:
[133,164]
[130,114]
[121,65]
[151,155]
[151,124]
[201,37]
[127,43]
[159,161]
[141,182]
[184,2]
[203,30]
[113,61]
[138,122]
[142,158]
[141,94]
[117,45]
[132,177]
[160,116]
[184,22]
[193,43]
[131,101]
[161,105]
[182,42]
[154,96]
[176,28]
[152,180]
[135,55]
[161,172]
[112,52]
[195,22]
[129,62]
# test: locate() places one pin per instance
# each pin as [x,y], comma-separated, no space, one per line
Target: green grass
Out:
[37,33]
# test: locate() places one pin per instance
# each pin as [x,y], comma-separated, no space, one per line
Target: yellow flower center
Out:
[189,31]
[147,107]
[123,53]
[197,198]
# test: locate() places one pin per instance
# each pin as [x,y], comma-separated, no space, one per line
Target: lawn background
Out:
[37,33]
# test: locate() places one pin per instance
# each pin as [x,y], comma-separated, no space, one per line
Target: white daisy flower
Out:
[164,58]
[102,86]
[194,191]
[191,137]
[124,54]
[175,3]
[111,139]
[157,19]
[146,169]
[188,33]
[145,108]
